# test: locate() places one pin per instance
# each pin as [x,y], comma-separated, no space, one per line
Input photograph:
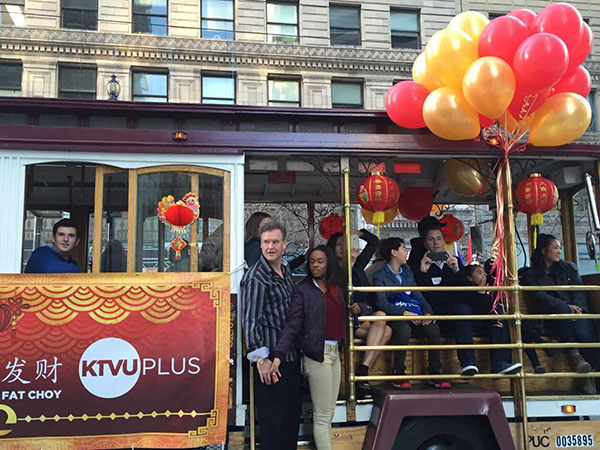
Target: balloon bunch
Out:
[520,71]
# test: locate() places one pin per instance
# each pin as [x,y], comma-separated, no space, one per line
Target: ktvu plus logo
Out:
[111,367]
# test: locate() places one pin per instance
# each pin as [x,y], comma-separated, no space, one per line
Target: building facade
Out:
[305,53]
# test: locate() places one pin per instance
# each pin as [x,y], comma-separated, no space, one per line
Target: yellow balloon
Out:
[448,115]
[423,76]
[489,85]
[561,119]
[512,125]
[470,22]
[467,177]
[448,54]
[388,215]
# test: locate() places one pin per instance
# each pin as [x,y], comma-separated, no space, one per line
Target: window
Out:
[346,94]
[495,15]
[217,19]
[77,81]
[594,123]
[284,92]
[80,14]
[150,16]
[150,87]
[282,22]
[11,12]
[344,25]
[405,29]
[10,77]
[218,88]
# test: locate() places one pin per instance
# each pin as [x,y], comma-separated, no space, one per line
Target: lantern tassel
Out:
[537,219]
[378,219]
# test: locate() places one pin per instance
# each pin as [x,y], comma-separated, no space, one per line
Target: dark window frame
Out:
[225,75]
[331,28]
[153,71]
[62,66]
[134,14]
[355,82]
[292,104]
[83,10]
[13,62]
[593,127]
[495,14]
[270,36]
[232,21]
[405,33]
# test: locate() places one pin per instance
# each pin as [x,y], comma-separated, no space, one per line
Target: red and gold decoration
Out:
[415,202]
[466,177]
[330,225]
[389,215]
[452,228]
[168,372]
[535,196]
[377,194]
[179,215]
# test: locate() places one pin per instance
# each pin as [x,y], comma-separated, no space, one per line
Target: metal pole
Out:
[568,226]
[518,386]
[252,419]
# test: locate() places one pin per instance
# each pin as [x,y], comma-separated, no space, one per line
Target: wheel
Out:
[445,433]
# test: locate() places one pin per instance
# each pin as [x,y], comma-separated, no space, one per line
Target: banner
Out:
[113,360]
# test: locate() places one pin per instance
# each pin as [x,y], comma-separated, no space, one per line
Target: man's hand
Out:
[452,261]
[274,373]
[427,322]
[355,308]
[408,313]
[426,263]
[264,371]
[575,309]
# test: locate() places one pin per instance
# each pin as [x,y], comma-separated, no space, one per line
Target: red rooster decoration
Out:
[179,215]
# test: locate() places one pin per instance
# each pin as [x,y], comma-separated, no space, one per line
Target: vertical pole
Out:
[518,385]
[311,224]
[351,401]
[252,419]
[567,220]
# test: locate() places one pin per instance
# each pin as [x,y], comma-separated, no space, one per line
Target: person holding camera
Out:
[439,268]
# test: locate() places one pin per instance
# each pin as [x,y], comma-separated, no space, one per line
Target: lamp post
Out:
[113,88]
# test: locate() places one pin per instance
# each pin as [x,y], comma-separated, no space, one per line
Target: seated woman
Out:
[548,269]
[316,322]
[374,333]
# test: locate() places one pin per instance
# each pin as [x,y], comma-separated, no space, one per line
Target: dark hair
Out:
[428,223]
[543,241]
[332,241]
[252,224]
[334,272]
[471,268]
[65,223]
[273,226]
[386,247]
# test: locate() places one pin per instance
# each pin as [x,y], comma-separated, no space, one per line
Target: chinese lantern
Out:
[389,215]
[535,196]
[452,228]
[415,202]
[330,225]
[179,215]
[377,193]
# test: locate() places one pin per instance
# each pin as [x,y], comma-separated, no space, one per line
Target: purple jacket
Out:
[305,322]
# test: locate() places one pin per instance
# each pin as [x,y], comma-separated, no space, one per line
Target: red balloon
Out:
[330,225]
[452,228]
[501,38]
[560,19]
[526,101]
[484,122]
[540,61]
[415,202]
[578,81]
[580,52]
[526,15]
[404,104]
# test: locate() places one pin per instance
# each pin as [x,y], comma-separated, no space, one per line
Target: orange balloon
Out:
[449,116]
[448,54]
[561,119]
[423,76]
[489,86]
[510,124]
[388,215]
[470,22]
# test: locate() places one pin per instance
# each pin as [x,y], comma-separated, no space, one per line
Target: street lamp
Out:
[113,88]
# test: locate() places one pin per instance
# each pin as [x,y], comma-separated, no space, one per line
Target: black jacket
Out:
[560,273]
[305,322]
[366,300]
[447,278]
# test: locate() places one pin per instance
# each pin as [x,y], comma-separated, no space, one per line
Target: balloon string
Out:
[498,270]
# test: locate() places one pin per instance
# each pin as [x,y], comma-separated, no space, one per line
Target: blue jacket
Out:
[385,277]
[48,260]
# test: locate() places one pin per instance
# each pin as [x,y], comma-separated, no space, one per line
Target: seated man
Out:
[56,258]
[397,273]
[447,272]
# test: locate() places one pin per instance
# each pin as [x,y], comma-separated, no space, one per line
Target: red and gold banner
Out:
[113,360]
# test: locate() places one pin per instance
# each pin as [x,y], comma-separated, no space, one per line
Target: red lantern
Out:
[377,193]
[536,195]
[330,225]
[415,202]
[452,228]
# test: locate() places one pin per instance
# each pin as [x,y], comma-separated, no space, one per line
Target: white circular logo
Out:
[109,367]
